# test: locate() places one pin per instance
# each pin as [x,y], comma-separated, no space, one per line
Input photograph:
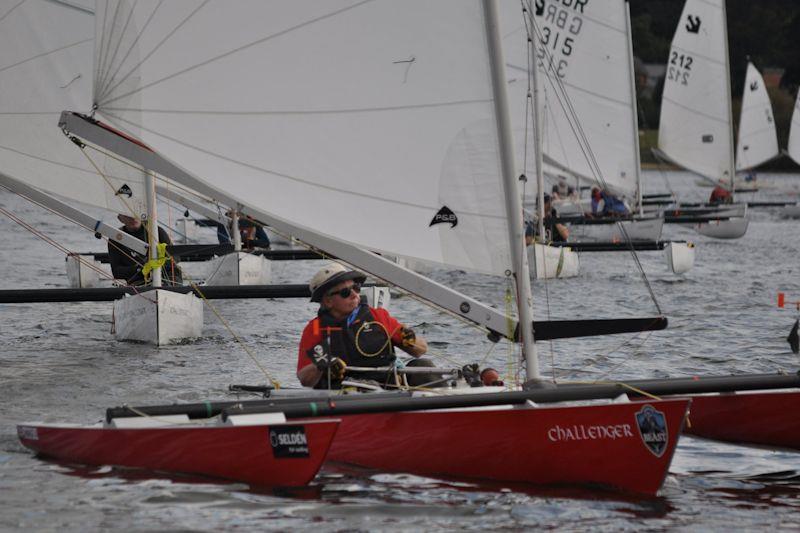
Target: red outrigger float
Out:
[765,418]
[279,454]
[758,409]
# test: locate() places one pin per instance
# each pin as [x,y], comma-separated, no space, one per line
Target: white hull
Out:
[549,262]
[82,271]
[158,317]
[680,256]
[723,229]
[735,210]
[187,231]
[741,185]
[571,207]
[275,238]
[636,230]
[239,268]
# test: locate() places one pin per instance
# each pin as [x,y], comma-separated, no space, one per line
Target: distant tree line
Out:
[766,31]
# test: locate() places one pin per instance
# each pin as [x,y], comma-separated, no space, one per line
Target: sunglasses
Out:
[345,292]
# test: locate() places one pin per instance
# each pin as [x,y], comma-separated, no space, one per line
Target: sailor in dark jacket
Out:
[126,264]
[346,332]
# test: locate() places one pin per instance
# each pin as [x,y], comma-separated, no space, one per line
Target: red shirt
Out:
[312,334]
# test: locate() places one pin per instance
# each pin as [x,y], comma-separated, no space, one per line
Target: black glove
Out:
[409,338]
[324,362]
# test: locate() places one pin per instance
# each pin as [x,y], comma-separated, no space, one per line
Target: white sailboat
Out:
[588,99]
[793,151]
[45,65]
[590,127]
[696,125]
[758,139]
[408,151]
[793,147]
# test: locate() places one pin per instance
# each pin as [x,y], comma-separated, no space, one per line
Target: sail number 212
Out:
[680,66]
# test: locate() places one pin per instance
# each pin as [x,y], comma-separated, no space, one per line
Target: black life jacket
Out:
[365,343]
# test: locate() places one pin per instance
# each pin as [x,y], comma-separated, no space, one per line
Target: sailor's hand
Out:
[409,338]
[319,356]
[337,368]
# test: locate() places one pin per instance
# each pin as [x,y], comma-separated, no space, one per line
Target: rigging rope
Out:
[576,126]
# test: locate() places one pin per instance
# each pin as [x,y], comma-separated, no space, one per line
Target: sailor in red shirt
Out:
[349,333]
[720,195]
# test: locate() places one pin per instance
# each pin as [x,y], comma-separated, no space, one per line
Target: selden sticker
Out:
[652,426]
[288,441]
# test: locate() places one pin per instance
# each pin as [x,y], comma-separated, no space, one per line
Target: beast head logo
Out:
[652,426]
[444,216]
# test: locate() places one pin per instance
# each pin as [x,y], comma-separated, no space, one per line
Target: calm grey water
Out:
[58,362]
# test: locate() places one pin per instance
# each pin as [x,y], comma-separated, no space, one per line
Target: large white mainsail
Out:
[46,52]
[583,57]
[328,113]
[758,140]
[794,132]
[695,129]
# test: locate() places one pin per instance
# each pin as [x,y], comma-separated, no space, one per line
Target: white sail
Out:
[585,80]
[46,52]
[794,132]
[695,125]
[326,113]
[758,140]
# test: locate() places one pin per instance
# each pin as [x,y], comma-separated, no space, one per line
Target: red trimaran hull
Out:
[241,453]
[606,445]
[576,445]
[762,418]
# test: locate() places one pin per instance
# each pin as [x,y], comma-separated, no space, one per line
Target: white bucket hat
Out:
[330,275]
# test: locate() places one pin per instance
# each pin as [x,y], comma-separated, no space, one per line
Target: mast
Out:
[538,141]
[235,234]
[731,163]
[513,204]
[151,224]
[635,126]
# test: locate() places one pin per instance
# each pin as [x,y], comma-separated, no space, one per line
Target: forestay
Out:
[326,113]
[758,140]
[45,67]
[695,125]
[588,127]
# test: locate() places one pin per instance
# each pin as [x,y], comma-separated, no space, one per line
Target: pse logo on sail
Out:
[288,441]
[445,216]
